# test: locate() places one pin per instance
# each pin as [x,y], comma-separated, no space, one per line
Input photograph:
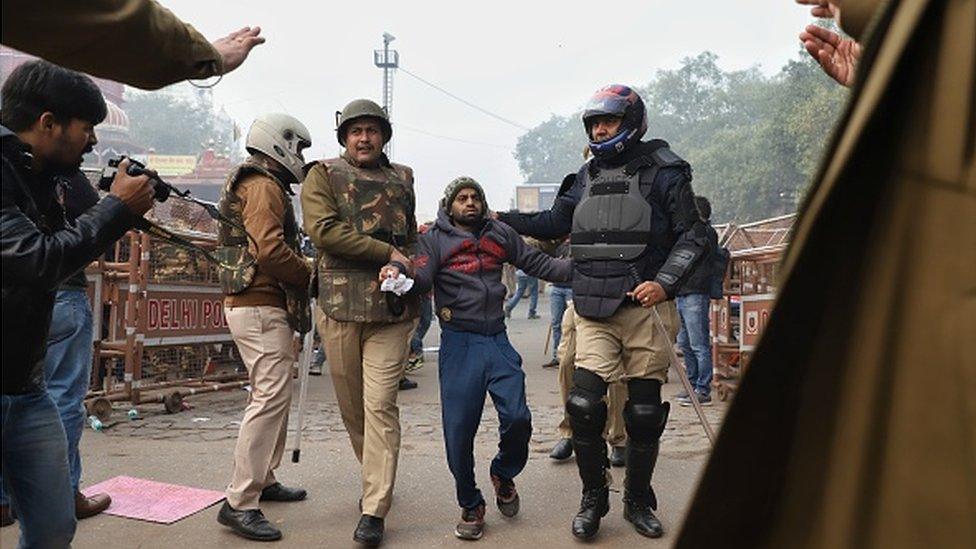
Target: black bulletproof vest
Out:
[610,235]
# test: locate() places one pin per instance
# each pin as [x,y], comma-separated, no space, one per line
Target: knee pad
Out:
[585,405]
[644,414]
[644,391]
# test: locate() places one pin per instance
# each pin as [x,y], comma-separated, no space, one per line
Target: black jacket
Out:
[39,251]
[700,278]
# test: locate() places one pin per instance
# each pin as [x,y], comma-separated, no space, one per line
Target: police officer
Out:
[634,234]
[266,304]
[359,213]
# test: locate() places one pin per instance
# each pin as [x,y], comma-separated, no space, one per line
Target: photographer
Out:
[48,118]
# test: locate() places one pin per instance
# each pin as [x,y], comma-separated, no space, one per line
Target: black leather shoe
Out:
[562,450]
[369,531]
[594,506]
[280,492]
[250,524]
[643,519]
[406,384]
[618,456]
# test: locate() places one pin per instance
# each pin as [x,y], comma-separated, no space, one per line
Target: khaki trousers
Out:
[366,360]
[615,433]
[266,344]
[627,345]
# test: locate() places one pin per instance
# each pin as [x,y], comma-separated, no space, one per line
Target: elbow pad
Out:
[685,254]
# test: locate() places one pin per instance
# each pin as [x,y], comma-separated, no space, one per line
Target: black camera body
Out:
[161,189]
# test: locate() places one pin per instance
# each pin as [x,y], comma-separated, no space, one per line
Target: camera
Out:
[161,189]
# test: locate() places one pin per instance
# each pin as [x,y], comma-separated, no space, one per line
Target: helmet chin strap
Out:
[613,146]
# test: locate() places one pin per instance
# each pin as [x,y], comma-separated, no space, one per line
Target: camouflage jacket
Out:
[355,216]
[277,269]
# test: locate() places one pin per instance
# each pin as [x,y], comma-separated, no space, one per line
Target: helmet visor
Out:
[605,104]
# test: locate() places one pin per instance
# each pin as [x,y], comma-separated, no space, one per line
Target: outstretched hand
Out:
[235,47]
[837,56]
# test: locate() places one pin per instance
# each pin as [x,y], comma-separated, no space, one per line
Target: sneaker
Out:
[472,523]
[533,316]
[506,496]
[551,364]
[704,400]
[683,395]
[415,362]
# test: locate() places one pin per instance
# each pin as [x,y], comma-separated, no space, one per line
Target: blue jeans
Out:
[35,470]
[426,314]
[557,306]
[67,370]
[469,365]
[695,340]
[525,282]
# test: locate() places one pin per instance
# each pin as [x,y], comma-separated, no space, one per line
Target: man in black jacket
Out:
[694,302]
[48,118]
[634,237]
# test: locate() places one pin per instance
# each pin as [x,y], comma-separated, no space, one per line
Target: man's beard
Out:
[469,220]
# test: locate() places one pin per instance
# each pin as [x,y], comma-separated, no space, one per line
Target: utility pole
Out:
[388,60]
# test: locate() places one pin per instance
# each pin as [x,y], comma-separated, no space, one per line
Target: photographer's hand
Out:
[235,47]
[135,192]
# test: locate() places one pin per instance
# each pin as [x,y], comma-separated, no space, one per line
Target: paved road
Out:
[195,448]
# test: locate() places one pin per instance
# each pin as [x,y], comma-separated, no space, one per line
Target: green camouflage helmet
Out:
[358,109]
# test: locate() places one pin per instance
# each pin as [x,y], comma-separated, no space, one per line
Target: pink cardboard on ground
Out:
[153,501]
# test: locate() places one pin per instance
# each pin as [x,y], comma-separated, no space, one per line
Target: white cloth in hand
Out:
[399,285]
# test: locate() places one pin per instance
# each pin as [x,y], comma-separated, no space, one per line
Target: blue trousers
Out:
[525,282]
[67,370]
[469,366]
[35,470]
[695,340]
[426,315]
[558,298]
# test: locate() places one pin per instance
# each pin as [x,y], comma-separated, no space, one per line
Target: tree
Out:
[170,124]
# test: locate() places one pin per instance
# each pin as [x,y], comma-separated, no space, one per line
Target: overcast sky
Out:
[522,60]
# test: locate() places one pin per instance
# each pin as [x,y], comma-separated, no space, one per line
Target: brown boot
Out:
[90,506]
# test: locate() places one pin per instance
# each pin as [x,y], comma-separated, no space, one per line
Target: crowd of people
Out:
[634,261]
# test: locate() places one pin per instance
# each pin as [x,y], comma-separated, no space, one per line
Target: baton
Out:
[304,365]
[692,395]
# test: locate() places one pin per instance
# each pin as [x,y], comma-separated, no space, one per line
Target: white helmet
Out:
[281,137]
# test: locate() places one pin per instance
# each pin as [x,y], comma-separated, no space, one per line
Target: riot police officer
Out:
[634,234]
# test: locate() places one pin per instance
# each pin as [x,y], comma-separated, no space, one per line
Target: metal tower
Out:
[388,60]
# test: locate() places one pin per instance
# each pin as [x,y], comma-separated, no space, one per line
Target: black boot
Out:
[594,506]
[591,458]
[587,417]
[369,531]
[639,498]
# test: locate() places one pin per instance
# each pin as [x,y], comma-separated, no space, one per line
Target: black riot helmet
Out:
[624,102]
